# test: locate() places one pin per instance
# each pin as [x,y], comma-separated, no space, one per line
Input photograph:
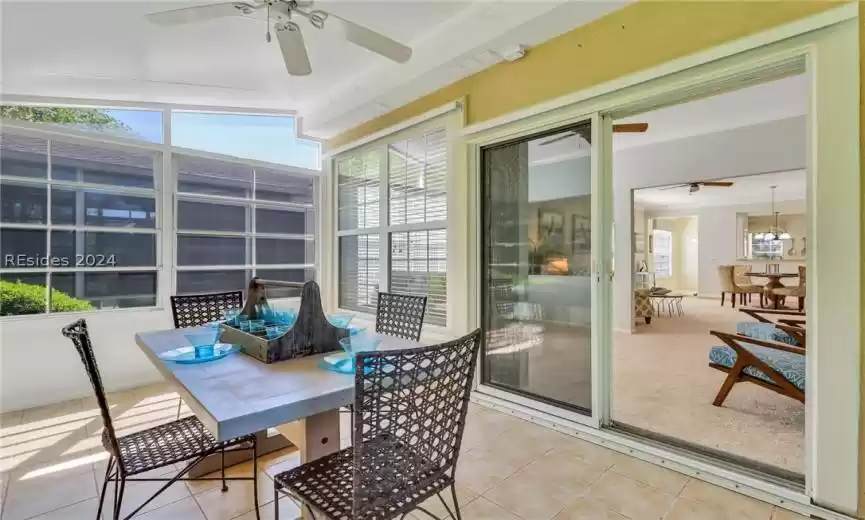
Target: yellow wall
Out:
[640,36]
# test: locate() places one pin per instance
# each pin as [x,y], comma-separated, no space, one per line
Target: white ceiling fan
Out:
[281,15]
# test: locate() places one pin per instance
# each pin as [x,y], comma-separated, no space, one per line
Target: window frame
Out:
[165,184]
[669,272]
[449,119]
[50,184]
[251,205]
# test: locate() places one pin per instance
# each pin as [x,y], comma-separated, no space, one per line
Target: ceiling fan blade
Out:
[369,39]
[630,127]
[665,188]
[557,138]
[293,49]
[199,13]
[724,184]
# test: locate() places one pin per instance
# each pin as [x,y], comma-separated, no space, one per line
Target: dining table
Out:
[773,283]
[240,395]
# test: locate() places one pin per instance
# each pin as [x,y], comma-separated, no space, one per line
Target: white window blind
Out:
[410,175]
[662,252]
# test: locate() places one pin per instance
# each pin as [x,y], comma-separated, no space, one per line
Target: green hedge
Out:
[17,298]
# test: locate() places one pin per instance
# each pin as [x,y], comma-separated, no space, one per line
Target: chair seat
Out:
[791,366]
[796,292]
[166,444]
[765,331]
[749,288]
[402,476]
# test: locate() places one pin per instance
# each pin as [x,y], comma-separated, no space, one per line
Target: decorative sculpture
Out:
[310,334]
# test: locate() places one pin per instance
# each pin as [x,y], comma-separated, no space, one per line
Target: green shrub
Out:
[17,298]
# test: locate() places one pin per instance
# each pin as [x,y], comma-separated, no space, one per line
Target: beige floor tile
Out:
[783,514]
[288,510]
[53,411]
[648,473]
[28,498]
[531,497]
[81,511]
[280,461]
[630,498]
[745,508]
[585,509]
[483,509]
[186,509]
[481,469]
[587,451]
[464,496]
[688,509]
[137,492]
[238,500]
[10,419]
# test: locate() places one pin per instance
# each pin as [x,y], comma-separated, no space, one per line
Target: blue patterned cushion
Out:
[788,364]
[765,331]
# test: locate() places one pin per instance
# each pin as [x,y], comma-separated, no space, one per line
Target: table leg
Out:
[315,437]
[774,283]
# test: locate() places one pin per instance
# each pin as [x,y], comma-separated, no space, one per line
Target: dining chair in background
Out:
[727,277]
[184,440]
[400,315]
[797,292]
[409,416]
[197,309]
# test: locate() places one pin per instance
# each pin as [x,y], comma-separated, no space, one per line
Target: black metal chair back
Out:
[409,415]
[197,309]
[77,332]
[400,315]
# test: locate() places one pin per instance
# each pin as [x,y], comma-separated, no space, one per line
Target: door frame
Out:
[829,44]
[600,288]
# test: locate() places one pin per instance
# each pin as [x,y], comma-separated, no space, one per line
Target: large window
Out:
[392,214]
[79,227]
[86,192]
[662,253]
[236,221]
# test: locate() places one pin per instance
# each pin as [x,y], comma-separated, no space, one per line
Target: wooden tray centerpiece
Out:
[310,334]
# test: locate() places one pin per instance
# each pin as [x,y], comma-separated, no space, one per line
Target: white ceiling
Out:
[762,103]
[754,189]
[108,51]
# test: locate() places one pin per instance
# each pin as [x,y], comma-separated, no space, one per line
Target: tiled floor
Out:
[52,466]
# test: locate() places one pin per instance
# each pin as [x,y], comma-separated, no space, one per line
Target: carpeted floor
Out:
[662,383]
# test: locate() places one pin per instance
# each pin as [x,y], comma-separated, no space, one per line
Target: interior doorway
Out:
[717,197]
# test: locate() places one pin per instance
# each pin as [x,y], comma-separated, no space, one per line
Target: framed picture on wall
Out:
[581,233]
[550,224]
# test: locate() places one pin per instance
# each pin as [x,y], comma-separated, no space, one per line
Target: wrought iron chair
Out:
[179,441]
[409,415]
[400,315]
[197,309]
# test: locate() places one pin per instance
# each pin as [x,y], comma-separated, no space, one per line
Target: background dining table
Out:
[773,283]
[239,395]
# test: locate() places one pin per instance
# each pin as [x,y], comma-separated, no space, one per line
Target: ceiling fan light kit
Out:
[280,14]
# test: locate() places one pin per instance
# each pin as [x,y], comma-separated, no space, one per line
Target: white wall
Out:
[685,261]
[767,147]
[39,366]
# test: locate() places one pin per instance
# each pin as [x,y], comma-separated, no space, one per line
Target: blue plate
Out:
[187,355]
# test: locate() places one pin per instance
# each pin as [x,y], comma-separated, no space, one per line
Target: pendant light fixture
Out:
[774,233]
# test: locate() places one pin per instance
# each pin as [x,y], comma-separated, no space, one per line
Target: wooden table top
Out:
[239,395]
[774,275]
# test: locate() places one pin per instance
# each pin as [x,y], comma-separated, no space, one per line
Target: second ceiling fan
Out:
[281,15]
[694,187]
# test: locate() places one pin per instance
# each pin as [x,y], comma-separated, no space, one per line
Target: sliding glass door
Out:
[540,266]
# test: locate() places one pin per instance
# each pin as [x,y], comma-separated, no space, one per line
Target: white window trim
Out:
[450,117]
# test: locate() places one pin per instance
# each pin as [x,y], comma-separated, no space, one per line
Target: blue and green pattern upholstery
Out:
[791,366]
[765,331]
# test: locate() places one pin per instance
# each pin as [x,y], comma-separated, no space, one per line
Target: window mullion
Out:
[384,219]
